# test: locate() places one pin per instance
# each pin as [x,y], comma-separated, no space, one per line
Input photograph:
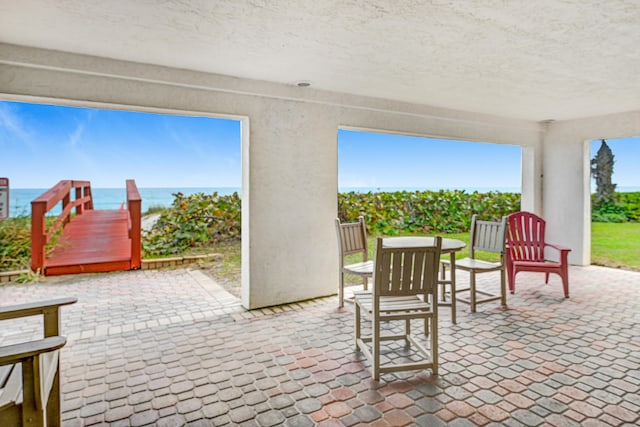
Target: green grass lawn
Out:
[616,245]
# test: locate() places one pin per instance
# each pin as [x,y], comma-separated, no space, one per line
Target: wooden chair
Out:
[526,250]
[30,371]
[352,239]
[486,236]
[404,288]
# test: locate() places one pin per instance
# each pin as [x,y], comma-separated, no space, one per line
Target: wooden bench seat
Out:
[30,371]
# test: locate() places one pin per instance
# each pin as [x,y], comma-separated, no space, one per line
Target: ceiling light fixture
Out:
[303,83]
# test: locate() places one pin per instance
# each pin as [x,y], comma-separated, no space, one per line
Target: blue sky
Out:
[382,160]
[45,144]
[42,144]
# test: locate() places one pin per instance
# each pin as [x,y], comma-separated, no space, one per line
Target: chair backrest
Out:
[487,236]
[406,271]
[525,237]
[352,238]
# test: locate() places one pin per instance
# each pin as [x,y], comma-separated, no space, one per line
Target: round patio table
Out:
[449,246]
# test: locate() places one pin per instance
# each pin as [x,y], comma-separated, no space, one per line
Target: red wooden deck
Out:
[91,241]
[96,241]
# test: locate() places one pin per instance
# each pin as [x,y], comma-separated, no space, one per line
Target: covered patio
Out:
[548,76]
[172,348]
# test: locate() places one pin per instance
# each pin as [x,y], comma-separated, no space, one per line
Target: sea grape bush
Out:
[193,221]
[200,219]
[420,212]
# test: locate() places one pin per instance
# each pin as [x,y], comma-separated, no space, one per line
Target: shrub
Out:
[631,203]
[609,212]
[624,208]
[404,212]
[15,243]
[193,221]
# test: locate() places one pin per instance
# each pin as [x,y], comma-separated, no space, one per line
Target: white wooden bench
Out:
[30,371]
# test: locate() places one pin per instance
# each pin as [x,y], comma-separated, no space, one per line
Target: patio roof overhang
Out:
[544,60]
[548,76]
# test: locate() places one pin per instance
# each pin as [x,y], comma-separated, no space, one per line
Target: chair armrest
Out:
[558,247]
[33,308]
[18,352]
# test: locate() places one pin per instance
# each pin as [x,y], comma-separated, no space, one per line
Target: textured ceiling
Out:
[536,60]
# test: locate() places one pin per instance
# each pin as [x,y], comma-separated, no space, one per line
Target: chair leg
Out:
[53,405]
[375,346]
[443,276]
[511,276]
[452,277]
[357,325]
[341,291]
[365,283]
[564,275]
[546,278]
[512,280]
[407,330]
[434,344]
[472,291]
[503,288]
[32,413]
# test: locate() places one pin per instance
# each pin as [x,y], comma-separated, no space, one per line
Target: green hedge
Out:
[626,208]
[200,219]
[405,212]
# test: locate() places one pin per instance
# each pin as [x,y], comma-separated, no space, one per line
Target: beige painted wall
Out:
[289,145]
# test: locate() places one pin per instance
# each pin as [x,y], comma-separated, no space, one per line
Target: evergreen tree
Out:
[602,171]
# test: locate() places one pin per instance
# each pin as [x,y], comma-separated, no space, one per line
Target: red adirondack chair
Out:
[525,250]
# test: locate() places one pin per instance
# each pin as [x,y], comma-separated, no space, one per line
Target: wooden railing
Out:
[40,236]
[134,206]
[83,202]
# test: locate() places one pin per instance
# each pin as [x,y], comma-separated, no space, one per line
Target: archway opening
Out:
[172,156]
[615,208]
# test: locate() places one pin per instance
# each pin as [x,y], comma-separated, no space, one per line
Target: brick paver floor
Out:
[172,348]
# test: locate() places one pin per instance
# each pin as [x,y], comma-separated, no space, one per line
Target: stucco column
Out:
[291,176]
[566,196]
[531,198]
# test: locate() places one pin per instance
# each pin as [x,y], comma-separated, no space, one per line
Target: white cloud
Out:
[76,135]
[11,124]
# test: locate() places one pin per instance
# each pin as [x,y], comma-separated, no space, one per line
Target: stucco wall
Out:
[289,144]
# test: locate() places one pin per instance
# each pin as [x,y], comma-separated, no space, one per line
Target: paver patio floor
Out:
[172,348]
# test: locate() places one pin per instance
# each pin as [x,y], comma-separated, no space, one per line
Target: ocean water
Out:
[111,198]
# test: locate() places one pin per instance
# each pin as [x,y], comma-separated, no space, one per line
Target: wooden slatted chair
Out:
[30,371]
[404,288]
[486,236]
[526,250]
[352,239]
